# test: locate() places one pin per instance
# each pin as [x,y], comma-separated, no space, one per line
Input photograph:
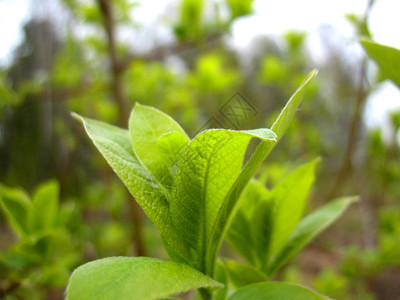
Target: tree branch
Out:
[119,97]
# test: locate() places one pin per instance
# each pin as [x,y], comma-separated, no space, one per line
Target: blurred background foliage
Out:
[80,61]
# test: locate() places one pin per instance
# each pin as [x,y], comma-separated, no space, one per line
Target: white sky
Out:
[271,17]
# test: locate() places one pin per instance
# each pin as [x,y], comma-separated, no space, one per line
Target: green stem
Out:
[205,294]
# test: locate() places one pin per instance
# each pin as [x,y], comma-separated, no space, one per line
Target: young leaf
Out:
[15,204]
[266,219]
[276,291]
[115,145]
[240,234]
[387,58]
[264,148]
[158,141]
[287,200]
[285,117]
[209,167]
[44,209]
[222,277]
[241,274]
[134,278]
[308,228]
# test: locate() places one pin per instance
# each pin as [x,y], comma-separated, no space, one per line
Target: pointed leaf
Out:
[209,167]
[308,228]
[15,204]
[158,141]
[288,200]
[115,145]
[44,208]
[276,291]
[285,117]
[262,151]
[134,278]
[387,58]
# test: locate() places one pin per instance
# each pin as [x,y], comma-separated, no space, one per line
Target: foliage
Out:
[66,64]
[44,252]
[267,230]
[143,278]
[387,58]
[189,189]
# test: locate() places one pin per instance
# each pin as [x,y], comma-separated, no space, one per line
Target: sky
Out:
[270,17]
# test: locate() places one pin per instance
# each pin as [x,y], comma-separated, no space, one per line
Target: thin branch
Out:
[346,165]
[119,97]
[117,84]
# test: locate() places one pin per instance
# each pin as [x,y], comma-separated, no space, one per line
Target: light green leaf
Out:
[308,228]
[115,145]
[158,141]
[285,117]
[134,278]
[15,204]
[276,291]
[387,58]
[44,209]
[209,167]
[288,199]
[264,148]
[241,274]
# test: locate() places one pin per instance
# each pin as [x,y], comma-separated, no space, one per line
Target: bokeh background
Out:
[225,63]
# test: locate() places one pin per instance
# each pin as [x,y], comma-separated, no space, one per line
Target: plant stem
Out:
[205,294]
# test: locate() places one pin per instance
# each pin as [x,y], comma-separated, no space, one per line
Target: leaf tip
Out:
[76,116]
[354,199]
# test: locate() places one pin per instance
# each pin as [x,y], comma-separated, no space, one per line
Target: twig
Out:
[346,164]
[119,97]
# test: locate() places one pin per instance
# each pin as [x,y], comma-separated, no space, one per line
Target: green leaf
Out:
[264,148]
[288,199]
[158,141]
[209,167]
[387,58]
[309,227]
[285,117]
[276,291]
[44,209]
[15,204]
[134,278]
[241,274]
[240,233]
[222,277]
[115,145]
[266,219]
